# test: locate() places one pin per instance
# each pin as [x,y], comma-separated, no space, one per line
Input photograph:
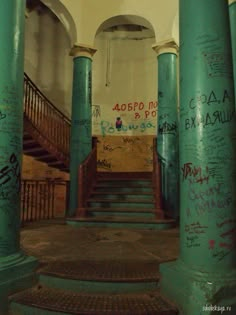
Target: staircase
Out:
[46,129]
[123,200]
[94,288]
[127,200]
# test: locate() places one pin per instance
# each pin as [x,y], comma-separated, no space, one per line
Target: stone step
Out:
[130,196]
[122,221]
[150,212]
[116,212]
[43,300]
[124,182]
[109,276]
[120,210]
[117,203]
[121,188]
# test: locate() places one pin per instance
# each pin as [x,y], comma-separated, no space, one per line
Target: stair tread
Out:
[110,218]
[29,141]
[95,304]
[118,186]
[34,150]
[108,271]
[121,193]
[118,183]
[148,210]
[112,179]
[121,200]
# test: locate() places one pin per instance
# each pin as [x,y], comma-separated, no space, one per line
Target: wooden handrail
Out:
[156,180]
[87,178]
[45,117]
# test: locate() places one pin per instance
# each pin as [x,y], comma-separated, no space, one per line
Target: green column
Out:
[203,279]
[167,134]
[232,15]
[81,119]
[15,267]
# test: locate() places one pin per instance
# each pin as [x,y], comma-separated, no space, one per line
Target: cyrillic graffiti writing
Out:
[210,119]
[194,173]
[108,128]
[202,194]
[8,172]
[210,99]
[167,128]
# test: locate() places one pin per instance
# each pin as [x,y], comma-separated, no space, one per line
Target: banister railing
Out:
[45,117]
[87,178]
[38,199]
[156,180]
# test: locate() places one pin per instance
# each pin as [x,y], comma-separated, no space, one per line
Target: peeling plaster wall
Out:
[47,60]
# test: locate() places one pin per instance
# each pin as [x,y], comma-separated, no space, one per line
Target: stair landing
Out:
[117,269]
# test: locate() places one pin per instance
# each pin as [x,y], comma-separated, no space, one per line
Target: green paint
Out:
[192,290]
[15,268]
[129,196]
[81,130]
[207,162]
[28,310]
[17,273]
[132,225]
[111,212]
[11,122]
[111,287]
[232,14]
[122,204]
[167,140]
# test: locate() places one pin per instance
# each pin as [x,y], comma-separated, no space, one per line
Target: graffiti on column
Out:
[218,64]
[11,124]
[207,191]
[2,116]
[90,87]
[9,172]
[85,125]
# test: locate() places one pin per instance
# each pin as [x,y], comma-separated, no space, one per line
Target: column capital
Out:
[81,50]
[232,1]
[166,46]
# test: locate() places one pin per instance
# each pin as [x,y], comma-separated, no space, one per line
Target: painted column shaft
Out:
[207,137]
[232,14]
[81,123]
[12,16]
[167,139]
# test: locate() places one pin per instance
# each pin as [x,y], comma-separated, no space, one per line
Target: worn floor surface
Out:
[50,241]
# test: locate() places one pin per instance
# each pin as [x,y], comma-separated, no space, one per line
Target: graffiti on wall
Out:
[125,153]
[133,118]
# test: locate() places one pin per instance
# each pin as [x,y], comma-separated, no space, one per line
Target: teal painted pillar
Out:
[81,119]
[203,279]
[167,134]
[14,265]
[232,15]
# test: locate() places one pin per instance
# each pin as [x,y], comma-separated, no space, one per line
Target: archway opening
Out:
[125,94]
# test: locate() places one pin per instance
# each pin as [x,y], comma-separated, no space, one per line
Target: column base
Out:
[17,272]
[199,293]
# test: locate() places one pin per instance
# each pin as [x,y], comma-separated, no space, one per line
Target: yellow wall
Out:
[125,153]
